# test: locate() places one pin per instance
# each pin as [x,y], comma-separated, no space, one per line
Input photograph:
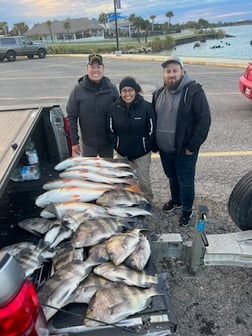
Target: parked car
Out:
[245,82]
[13,46]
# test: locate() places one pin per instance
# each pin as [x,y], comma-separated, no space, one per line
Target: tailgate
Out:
[16,125]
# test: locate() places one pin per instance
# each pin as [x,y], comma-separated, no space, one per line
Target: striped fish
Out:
[123,274]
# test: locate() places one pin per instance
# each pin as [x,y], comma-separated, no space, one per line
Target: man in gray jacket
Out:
[88,105]
[183,122]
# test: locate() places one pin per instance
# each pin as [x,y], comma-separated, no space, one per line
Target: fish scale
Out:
[95,161]
[121,245]
[126,275]
[120,197]
[57,289]
[92,231]
[68,194]
[114,302]
[97,177]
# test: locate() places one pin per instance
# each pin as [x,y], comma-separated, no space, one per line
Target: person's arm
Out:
[72,115]
[152,127]
[202,121]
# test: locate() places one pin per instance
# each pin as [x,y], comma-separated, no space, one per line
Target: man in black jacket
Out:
[88,105]
[183,122]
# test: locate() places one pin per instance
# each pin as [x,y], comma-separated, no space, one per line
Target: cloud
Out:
[31,11]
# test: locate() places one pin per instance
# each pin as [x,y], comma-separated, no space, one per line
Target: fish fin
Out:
[42,245]
[134,188]
[51,208]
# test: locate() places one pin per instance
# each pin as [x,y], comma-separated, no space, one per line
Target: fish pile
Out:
[89,229]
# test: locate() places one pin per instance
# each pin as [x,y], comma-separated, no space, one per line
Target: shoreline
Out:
[222,62]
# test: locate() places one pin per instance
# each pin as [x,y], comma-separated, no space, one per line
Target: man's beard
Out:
[173,86]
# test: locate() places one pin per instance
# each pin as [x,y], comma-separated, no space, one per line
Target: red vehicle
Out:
[245,82]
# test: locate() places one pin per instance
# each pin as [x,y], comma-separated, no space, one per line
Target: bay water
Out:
[238,46]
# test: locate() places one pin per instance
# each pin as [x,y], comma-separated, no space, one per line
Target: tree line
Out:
[138,25]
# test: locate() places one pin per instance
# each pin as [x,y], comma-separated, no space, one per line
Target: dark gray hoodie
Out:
[167,109]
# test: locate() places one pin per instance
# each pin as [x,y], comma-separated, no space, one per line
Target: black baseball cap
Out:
[95,57]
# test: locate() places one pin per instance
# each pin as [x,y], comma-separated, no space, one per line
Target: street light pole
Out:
[116,28]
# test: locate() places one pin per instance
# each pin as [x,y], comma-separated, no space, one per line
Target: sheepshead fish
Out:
[87,288]
[68,194]
[98,253]
[64,233]
[31,260]
[93,161]
[73,219]
[63,209]
[139,258]
[66,253]
[75,182]
[116,172]
[92,231]
[57,289]
[114,302]
[96,177]
[121,245]
[127,211]
[120,198]
[126,275]
[17,248]
[37,225]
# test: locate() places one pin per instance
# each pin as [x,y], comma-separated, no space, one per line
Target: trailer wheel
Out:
[240,202]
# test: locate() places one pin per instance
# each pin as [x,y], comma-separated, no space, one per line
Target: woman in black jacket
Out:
[132,124]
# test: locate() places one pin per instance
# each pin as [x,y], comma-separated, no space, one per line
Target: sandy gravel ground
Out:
[219,301]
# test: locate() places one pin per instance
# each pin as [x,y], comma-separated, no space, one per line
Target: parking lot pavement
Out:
[219,302]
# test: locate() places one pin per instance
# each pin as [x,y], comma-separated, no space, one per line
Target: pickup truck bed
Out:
[17,202]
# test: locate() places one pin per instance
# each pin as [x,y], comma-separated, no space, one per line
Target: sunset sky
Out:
[31,12]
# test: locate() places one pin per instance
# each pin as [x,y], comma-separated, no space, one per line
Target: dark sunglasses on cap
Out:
[95,57]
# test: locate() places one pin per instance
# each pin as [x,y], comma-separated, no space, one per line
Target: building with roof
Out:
[69,29]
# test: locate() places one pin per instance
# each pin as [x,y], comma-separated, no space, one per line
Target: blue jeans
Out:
[180,171]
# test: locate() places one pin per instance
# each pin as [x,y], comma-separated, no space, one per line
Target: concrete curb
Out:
[222,62]
[237,63]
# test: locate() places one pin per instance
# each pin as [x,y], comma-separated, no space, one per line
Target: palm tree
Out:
[169,15]
[19,28]
[146,25]
[49,25]
[152,17]
[67,26]
[4,28]
[103,19]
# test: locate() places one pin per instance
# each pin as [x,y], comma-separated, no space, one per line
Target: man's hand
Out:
[76,150]
[187,152]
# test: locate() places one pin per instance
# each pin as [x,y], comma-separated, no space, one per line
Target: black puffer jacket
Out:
[89,102]
[132,127]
